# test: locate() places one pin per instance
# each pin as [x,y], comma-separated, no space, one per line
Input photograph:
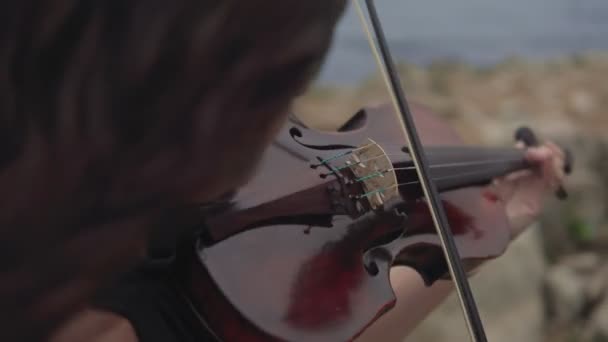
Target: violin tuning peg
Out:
[569,160]
[561,193]
[568,166]
[527,136]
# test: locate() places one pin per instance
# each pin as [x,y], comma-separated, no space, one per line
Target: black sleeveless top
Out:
[149,298]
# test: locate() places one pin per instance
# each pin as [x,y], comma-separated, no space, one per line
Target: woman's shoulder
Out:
[96,326]
[146,303]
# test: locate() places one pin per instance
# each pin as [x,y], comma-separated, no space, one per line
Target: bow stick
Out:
[387,67]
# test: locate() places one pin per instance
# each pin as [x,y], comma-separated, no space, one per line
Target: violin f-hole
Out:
[296,134]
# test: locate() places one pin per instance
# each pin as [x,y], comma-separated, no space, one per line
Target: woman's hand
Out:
[524,192]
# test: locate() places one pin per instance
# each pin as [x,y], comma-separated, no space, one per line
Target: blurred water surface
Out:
[481,32]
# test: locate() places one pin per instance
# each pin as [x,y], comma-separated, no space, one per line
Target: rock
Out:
[591,272]
[578,222]
[564,101]
[511,109]
[596,329]
[564,293]
[596,286]
[584,263]
[582,102]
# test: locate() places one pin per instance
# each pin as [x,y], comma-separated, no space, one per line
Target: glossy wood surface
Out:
[310,267]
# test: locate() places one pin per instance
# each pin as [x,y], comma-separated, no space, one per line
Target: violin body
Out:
[299,255]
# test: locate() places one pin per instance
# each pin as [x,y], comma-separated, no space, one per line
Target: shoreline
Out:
[563,99]
[562,96]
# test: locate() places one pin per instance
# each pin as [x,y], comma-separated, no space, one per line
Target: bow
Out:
[386,65]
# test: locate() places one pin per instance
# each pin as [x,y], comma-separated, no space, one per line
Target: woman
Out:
[523,194]
[114,112]
[117,112]
[146,307]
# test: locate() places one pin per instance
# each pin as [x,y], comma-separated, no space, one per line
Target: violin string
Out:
[389,143]
[443,178]
[349,165]
[464,164]
[372,175]
[340,155]
[347,153]
[432,166]
[437,166]
[344,154]
[417,182]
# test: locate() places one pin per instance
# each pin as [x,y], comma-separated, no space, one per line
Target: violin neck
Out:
[459,167]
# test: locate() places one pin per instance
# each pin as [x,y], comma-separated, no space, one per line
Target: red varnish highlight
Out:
[322,291]
[461,223]
[490,195]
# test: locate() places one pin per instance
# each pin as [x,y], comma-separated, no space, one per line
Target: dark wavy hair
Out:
[112,111]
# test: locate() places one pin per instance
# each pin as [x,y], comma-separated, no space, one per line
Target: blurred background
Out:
[488,67]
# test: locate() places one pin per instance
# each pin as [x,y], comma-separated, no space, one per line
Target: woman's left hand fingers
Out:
[550,158]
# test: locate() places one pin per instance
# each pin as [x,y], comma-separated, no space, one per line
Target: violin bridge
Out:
[374,170]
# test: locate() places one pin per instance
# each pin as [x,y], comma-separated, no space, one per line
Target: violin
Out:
[303,251]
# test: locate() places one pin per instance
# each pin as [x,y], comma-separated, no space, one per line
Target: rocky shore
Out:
[551,285]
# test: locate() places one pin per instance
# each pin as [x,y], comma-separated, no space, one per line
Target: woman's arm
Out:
[522,193]
[415,301]
[96,326]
